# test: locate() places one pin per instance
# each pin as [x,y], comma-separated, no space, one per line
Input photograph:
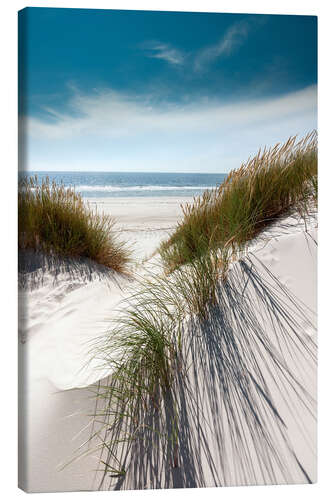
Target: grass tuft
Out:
[54,219]
[265,188]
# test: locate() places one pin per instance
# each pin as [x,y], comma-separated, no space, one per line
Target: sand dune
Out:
[64,309]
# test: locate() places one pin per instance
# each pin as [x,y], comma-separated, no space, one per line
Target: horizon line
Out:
[119,172]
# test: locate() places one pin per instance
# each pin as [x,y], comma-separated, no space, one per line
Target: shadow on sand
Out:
[36,269]
[240,410]
[32,267]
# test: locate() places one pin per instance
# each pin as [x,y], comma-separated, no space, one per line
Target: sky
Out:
[112,90]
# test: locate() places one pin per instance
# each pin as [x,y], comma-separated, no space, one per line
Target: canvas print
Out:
[167,218]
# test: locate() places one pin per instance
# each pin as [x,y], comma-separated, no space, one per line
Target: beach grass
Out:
[268,186]
[54,219]
[142,351]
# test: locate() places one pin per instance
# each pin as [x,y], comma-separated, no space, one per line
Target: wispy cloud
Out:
[164,51]
[109,113]
[234,37]
[110,130]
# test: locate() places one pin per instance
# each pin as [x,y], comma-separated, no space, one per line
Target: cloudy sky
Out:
[150,91]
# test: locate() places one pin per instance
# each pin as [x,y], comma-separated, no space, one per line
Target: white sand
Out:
[142,222]
[63,316]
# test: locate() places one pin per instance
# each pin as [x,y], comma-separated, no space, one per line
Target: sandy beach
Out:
[142,222]
[65,309]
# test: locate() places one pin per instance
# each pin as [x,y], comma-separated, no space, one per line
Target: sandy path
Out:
[142,222]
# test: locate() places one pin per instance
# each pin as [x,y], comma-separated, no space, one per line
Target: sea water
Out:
[124,184]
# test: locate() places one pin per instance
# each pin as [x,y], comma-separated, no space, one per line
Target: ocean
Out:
[124,184]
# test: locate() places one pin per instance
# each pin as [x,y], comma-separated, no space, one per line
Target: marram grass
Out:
[143,350]
[272,184]
[55,220]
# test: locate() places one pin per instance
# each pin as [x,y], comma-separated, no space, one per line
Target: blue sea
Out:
[124,184]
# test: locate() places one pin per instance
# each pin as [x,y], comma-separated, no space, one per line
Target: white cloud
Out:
[164,51]
[233,38]
[112,130]
[112,114]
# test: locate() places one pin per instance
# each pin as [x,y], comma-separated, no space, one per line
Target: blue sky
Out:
[158,91]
